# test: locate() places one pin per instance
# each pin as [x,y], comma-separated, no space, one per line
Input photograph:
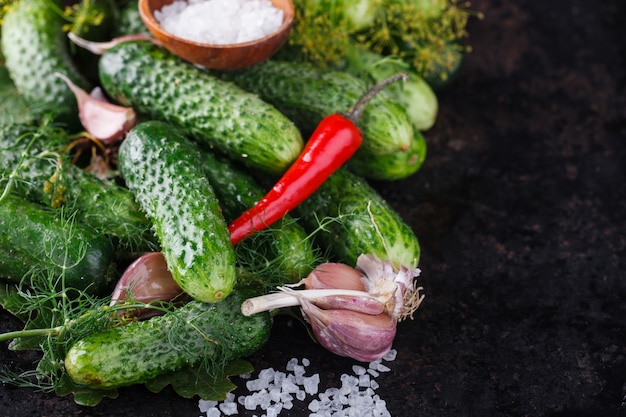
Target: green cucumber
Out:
[41,170]
[163,170]
[283,253]
[415,95]
[308,94]
[129,21]
[212,111]
[357,220]
[37,244]
[13,107]
[393,166]
[35,48]
[197,333]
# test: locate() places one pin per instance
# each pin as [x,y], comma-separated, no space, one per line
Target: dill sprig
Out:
[323,33]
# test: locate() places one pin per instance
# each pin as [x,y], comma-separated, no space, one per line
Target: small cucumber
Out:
[415,95]
[212,111]
[129,21]
[308,94]
[393,166]
[43,173]
[163,170]
[360,222]
[283,253]
[191,335]
[35,48]
[36,244]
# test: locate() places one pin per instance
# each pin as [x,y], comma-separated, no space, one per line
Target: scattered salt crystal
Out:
[300,395]
[314,405]
[383,368]
[213,412]
[358,370]
[311,384]
[205,405]
[228,408]
[274,391]
[291,364]
[220,21]
[391,355]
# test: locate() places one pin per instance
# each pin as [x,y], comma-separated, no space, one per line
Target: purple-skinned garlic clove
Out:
[146,280]
[359,336]
[103,120]
[331,275]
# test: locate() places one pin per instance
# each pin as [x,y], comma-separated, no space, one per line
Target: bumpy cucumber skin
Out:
[162,168]
[285,245]
[53,181]
[367,224]
[393,166]
[308,94]
[139,351]
[129,21]
[35,47]
[212,111]
[415,95]
[35,244]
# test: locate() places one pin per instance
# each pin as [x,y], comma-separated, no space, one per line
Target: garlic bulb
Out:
[352,312]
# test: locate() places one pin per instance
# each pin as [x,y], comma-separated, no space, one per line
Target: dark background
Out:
[521,211]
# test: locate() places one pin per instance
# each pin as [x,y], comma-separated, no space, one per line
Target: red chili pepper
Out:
[333,142]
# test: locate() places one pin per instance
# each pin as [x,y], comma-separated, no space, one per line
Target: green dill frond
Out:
[82,16]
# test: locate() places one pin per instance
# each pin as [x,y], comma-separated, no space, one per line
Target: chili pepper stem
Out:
[355,112]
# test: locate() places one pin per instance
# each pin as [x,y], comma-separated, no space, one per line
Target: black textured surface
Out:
[521,211]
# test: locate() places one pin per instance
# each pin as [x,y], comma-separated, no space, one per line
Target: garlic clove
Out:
[331,275]
[360,336]
[364,303]
[146,280]
[103,120]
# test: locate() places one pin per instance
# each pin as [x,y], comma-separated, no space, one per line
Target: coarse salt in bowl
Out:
[219,34]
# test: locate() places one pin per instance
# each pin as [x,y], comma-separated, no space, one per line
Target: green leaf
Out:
[208,385]
[83,394]
[12,301]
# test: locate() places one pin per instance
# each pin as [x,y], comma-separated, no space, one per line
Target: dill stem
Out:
[31,333]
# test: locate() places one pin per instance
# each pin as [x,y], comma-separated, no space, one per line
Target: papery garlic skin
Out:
[382,278]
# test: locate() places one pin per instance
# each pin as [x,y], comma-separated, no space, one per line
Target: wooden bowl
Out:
[226,56]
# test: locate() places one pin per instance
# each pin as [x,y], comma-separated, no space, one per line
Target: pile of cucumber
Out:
[207,146]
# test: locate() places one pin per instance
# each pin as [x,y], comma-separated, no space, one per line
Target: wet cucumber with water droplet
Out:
[212,111]
[162,169]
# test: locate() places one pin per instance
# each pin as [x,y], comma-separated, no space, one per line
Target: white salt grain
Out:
[228,408]
[274,391]
[220,21]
